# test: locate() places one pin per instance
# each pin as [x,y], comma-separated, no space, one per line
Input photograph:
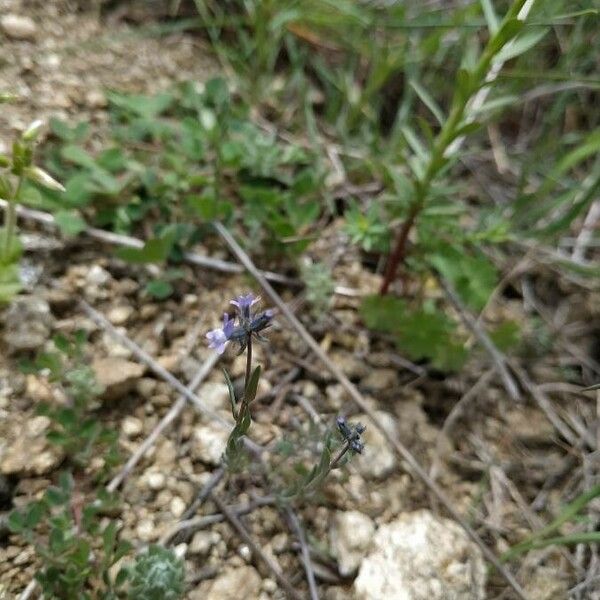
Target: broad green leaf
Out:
[148,107]
[154,251]
[69,222]
[10,282]
[472,275]
[159,289]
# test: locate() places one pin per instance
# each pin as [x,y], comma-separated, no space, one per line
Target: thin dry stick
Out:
[204,493]
[163,424]
[546,405]
[497,357]
[190,526]
[256,549]
[190,257]
[305,553]
[357,397]
[457,410]
[143,356]
[28,591]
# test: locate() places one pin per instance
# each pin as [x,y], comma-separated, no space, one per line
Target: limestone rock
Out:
[24,449]
[117,376]
[215,395]
[27,323]
[208,444]
[350,537]
[381,380]
[420,556]
[242,583]
[378,459]
[18,27]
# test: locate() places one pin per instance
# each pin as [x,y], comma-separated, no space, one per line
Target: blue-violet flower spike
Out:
[243,304]
[218,338]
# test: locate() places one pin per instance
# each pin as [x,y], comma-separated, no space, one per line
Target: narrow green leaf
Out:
[490,16]
[252,385]
[522,44]
[428,101]
[231,390]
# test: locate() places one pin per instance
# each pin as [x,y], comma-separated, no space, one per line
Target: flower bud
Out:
[40,176]
[31,133]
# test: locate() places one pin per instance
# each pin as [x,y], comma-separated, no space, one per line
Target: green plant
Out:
[427,164]
[156,575]
[75,547]
[547,536]
[319,286]
[179,157]
[335,450]
[75,428]
[16,170]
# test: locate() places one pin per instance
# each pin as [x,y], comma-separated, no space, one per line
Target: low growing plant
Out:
[16,169]
[338,444]
[71,526]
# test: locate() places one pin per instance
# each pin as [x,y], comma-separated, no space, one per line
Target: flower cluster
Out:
[248,324]
[351,434]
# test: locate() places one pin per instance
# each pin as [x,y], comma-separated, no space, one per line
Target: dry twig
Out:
[256,549]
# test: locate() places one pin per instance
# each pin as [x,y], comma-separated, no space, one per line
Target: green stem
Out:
[448,133]
[248,365]
[11,221]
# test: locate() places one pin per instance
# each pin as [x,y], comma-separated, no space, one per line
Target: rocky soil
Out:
[376,532]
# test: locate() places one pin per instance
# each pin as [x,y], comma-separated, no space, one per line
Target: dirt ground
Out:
[495,459]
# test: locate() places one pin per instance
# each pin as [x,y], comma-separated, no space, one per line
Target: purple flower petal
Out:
[217,340]
[243,303]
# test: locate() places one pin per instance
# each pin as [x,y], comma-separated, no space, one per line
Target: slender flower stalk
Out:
[10,223]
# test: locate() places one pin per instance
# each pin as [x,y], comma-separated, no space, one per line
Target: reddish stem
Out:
[399,252]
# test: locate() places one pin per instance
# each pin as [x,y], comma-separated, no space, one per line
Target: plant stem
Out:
[11,221]
[248,364]
[448,133]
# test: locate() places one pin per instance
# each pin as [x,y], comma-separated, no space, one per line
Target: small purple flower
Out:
[351,434]
[244,303]
[218,338]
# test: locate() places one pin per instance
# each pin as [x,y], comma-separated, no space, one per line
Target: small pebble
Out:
[156,480]
[145,530]
[18,27]
[177,506]
[132,427]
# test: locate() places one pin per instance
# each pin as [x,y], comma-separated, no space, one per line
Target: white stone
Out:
[119,315]
[378,459]
[116,376]
[242,583]
[132,426]
[180,550]
[215,395]
[27,323]
[155,480]
[350,537]
[97,275]
[420,556]
[208,444]
[203,541]
[18,27]
[177,507]
[145,530]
